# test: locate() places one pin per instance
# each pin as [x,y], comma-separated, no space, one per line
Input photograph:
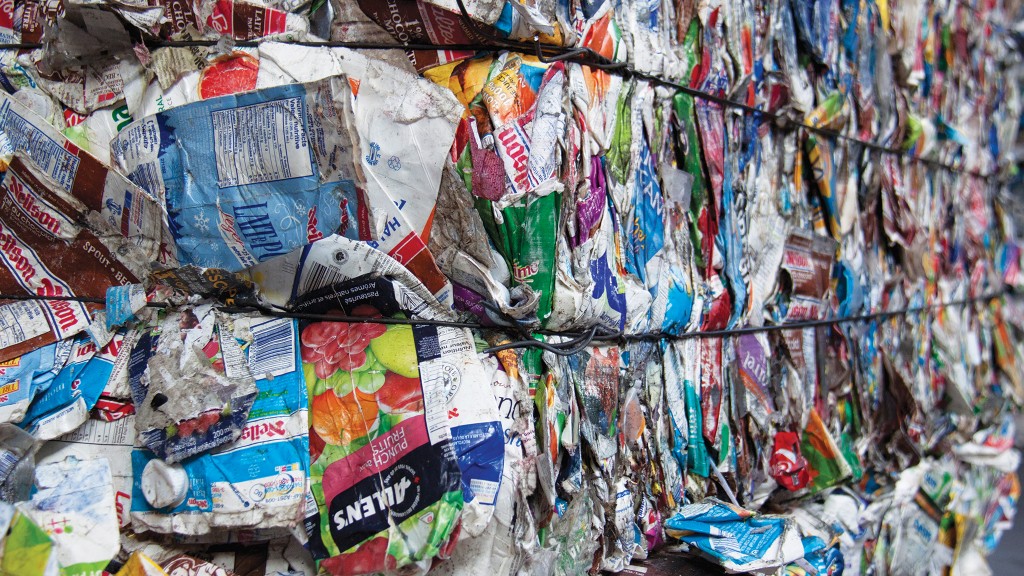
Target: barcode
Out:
[319,276]
[7,462]
[273,348]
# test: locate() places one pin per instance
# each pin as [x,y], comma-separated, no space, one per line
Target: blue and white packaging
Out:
[66,403]
[28,375]
[477,433]
[249,176]
[735,538]
[260,480]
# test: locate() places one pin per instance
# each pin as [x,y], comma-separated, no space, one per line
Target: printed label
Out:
[53,158]
[261,143]
[21,321]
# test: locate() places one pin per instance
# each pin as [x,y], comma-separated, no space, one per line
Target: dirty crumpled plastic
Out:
[195,348]
[29,375]
[788,466]
[75,390]
[258,481]
[70,521]
[521,193]
[737,539]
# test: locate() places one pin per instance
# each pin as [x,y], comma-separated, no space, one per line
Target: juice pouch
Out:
[466,403]
[409,21]
[736,538]
[190,383]
[637,194]
[66,403]
[523,101]
[259,480]
[692,163]
[238,197]
[385,473]
[673,303]
[821,153]
[102,190]
[52,244]
[595,376]
[682,374]
[25,377]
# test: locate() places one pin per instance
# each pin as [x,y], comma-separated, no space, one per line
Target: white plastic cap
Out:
[164,485]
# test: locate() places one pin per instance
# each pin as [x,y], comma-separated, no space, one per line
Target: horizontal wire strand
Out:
[548,52]
[577,340]
[584,57]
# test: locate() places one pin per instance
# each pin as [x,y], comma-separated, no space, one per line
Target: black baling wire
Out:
[557,53]
[574,346]
[802,324]
[348,319]
[578,340]
[783,119]
[82,299]
[553,54]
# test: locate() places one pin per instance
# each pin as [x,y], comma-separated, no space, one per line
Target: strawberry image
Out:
[206,420]
[187,427]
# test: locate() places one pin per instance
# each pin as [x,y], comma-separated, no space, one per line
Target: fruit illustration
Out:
[316,445]
[201,424]
[369,558]
[395,349]
[369,378]
[400,394]
[341,419]
[229,74]
[362,379]
[206,420]
[212,351]
[334,346]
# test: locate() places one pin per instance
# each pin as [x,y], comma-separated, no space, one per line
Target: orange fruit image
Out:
[341,420]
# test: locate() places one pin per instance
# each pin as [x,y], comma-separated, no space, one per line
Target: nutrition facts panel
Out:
[261,143]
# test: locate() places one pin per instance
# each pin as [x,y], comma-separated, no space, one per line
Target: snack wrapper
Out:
[381,401]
